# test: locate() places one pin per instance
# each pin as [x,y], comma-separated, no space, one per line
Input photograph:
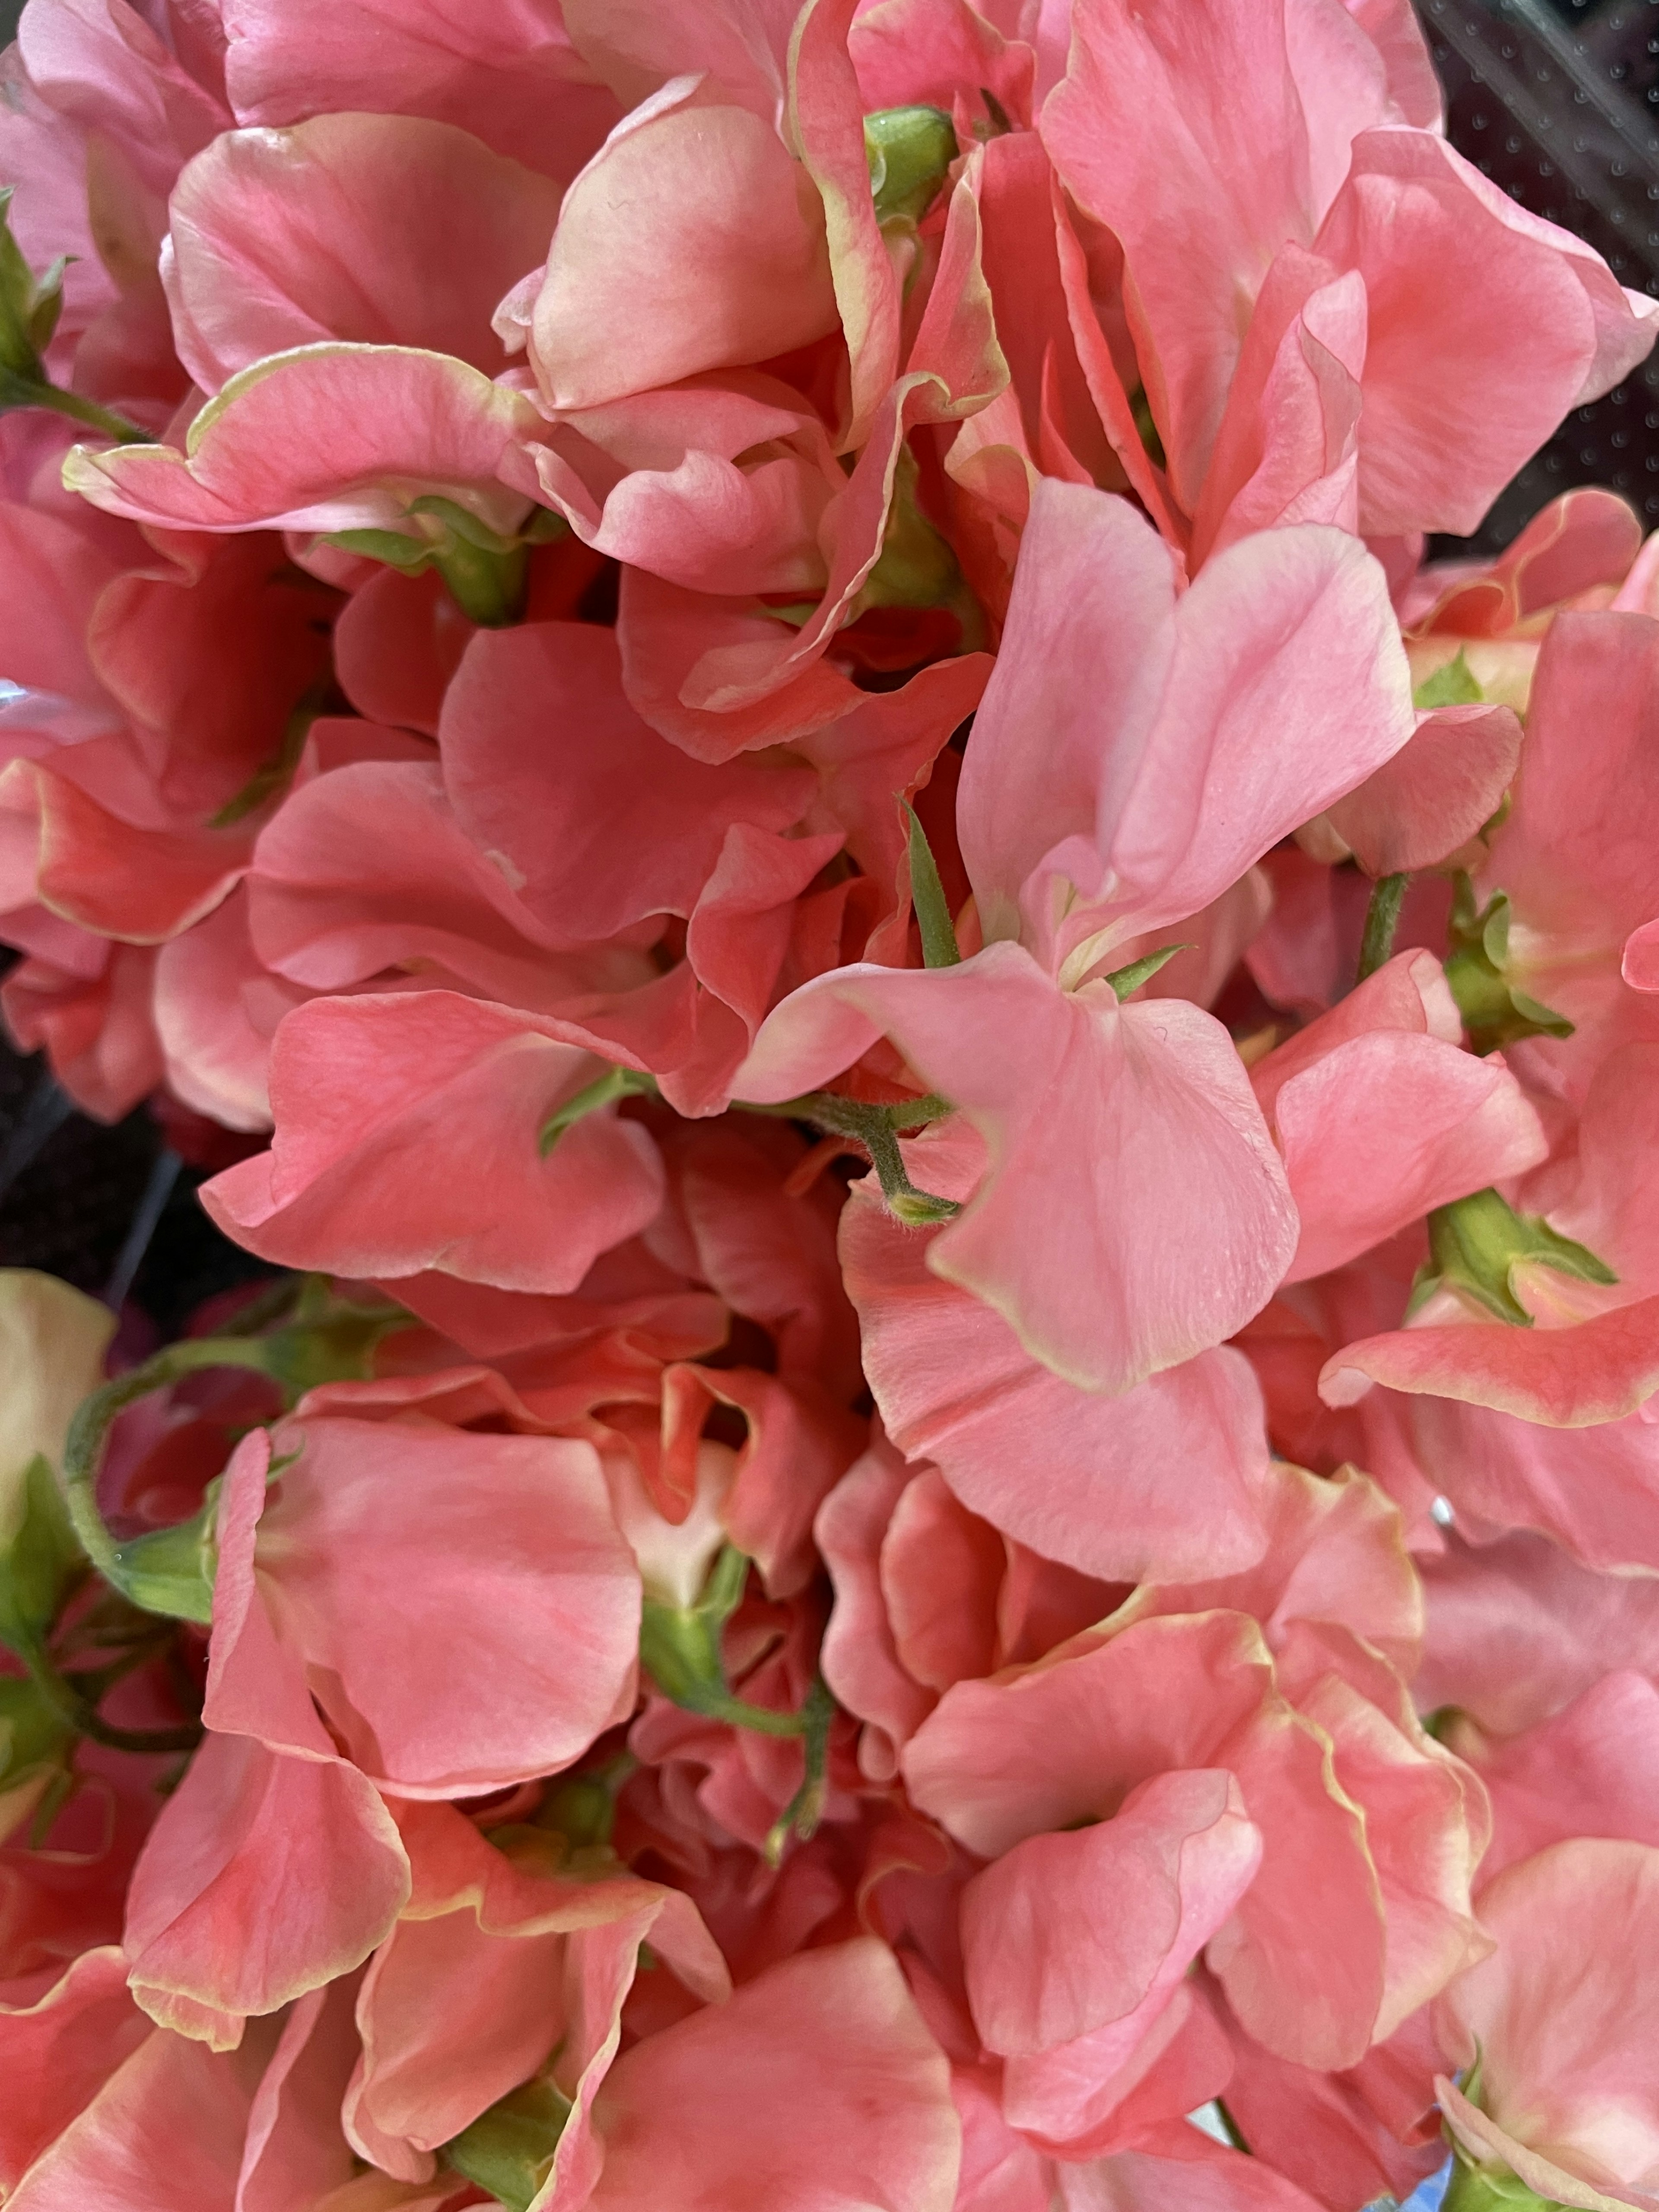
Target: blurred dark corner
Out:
[1556,100]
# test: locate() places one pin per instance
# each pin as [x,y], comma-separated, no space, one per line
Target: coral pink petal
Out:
[370,1174]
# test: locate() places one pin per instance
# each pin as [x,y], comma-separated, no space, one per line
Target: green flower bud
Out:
[509,2149]
[1477,1243]
[909,150]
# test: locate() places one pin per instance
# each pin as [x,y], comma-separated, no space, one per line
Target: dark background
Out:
[1556,100]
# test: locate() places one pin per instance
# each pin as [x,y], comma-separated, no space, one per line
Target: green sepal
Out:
[35,1737]
[616,1083]
[1125,980]
[910,151]
[680,1650]
[1452,685]
[487,572]
[1476,1244]
[39,1564]
[338,1347]
[22,302]
[414,555]
[170,1570]
[1495,1013]
[932,912]
[509,2149]
[917,566]
[1490,2187]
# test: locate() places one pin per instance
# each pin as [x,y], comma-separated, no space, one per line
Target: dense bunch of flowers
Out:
[953,1454]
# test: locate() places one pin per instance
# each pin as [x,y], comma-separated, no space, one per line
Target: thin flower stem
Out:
[1382,920]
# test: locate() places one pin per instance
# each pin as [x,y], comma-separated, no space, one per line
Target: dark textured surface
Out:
[1558,103]
[1556,100]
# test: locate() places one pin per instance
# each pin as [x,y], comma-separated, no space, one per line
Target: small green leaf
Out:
[932,912]
[1452,685]
[39,1564]
[509,2149]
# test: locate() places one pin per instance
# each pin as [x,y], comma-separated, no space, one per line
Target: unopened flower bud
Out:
[910,151]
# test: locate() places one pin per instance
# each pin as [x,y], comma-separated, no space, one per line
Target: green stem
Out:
[875,1127]
[94,1417]
[722,1705]
[60,1693]
[88,412]
[1382,920]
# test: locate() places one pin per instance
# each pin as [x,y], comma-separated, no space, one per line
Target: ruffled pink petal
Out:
[393,1115]
[382,229]
[1596,1372]
[691,241]
[329,437]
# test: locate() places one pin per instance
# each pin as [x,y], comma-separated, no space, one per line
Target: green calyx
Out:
[29,308]
[909,150]
[487,572]
[1476,1244]
[616,1083]
[876,1129]
[1490,2187]
[1453,685]
[509,2150]
[680,1650]
[277,773]
[1381,921]
[1495,1011]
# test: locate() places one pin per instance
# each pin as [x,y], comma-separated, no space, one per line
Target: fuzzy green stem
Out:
[1382,920]
[94,1417]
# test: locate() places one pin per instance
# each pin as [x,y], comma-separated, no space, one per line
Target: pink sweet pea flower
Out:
[1554,2030]
[504,1961]
[1088,823]
[312,1582]
[1165,1480]
[1250,1675]
[1381,1115]
[1325,214]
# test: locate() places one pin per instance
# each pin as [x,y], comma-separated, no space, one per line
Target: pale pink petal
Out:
[691,241]
[382,229]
